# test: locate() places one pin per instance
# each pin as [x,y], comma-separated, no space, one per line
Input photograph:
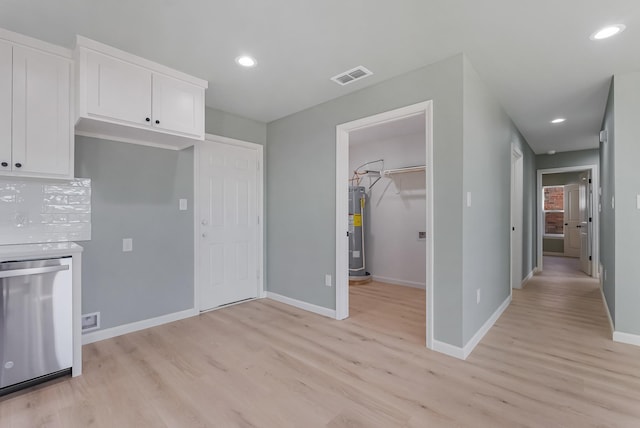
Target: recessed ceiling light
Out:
[551,152]
[246,61]
[606,32]
[558,120]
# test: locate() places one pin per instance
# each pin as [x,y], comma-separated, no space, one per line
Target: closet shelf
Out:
[404,170]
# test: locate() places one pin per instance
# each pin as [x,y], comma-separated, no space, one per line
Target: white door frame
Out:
[210,138]
[516,156]
[342,192]
[595,211]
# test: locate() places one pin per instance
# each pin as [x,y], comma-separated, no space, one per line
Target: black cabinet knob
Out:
[4,164]
[148,119]
[157,122]
[18,165]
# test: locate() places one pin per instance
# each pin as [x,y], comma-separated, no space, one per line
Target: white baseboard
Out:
[331,313]
[528,277]
[395,281]
[463,353]
[606,308]
[552,253]
[108,333]
[450,350]
[473,342]
[631,339]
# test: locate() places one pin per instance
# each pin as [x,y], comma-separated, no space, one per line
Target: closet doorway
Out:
[383,222]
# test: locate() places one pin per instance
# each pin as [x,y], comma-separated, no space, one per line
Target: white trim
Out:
[450,350]
[629,338]
[606,308]
[302,305]
[553,253]
[136,326]
[342,183]
[394,281]
[111,137]
[212,138]
[23,40]
[463,353]
[528,277]
[85,43]
[473,342]
[595,184]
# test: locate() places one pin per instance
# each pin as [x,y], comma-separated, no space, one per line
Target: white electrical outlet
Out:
[327,280]
[127,245]
[478,296]
[183,204]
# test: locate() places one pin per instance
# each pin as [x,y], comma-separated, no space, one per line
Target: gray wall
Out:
[627,217]
[562,178]
[553,245]
[488,138]
[301,189]
[225,124]
[607,215]
[135,193]
[564,159]
[301,193]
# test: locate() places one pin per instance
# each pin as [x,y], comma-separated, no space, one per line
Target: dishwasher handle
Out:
[32,271]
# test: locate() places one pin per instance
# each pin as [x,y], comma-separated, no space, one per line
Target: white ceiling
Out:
[536,56]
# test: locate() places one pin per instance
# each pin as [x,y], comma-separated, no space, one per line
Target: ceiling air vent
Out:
[352,75]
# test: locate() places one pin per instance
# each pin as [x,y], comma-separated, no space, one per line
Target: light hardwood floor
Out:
[548,362]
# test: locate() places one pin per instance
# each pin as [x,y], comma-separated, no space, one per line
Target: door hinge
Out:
[257,166]
[258,219]
[590,219]
[590,258]
[589,181]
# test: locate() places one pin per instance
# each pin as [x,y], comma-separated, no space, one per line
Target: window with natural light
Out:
[553,209]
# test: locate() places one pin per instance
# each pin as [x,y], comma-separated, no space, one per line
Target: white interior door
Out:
[585,223]
[228,226]
[516,219]
[572,220]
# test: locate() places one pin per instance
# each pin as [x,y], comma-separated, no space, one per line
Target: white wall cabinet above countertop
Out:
[127,98]
[36,126]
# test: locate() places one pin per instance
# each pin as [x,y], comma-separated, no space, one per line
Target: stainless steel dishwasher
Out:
[36,331]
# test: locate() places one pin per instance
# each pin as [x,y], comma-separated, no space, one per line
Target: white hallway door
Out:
[572,220]
[228,268]
[585,221]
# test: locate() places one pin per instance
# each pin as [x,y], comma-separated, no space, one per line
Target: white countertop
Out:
[29,251]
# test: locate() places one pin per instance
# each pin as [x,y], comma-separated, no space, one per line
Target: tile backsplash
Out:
[34,211]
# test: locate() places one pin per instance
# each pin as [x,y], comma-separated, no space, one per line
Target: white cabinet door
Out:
[177,106]
[118,90]
[41,113]
[6,71]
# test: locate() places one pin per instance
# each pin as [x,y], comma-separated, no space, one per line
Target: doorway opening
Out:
[384,237]
[568,218]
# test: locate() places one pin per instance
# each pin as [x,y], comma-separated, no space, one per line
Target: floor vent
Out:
[352,75]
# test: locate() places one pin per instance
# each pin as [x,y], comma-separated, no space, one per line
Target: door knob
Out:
[579,226]
[4,164]
[204,222]
[204,235]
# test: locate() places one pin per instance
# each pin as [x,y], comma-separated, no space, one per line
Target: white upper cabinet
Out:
[35,108]
[127,98]
[6,104]
[118,90]
[178,106]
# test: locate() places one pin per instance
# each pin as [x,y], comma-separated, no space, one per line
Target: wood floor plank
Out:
[549,361]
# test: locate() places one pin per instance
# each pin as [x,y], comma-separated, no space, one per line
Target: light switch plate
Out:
[468,199]
[327,280]
[183,204]
[127,245]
